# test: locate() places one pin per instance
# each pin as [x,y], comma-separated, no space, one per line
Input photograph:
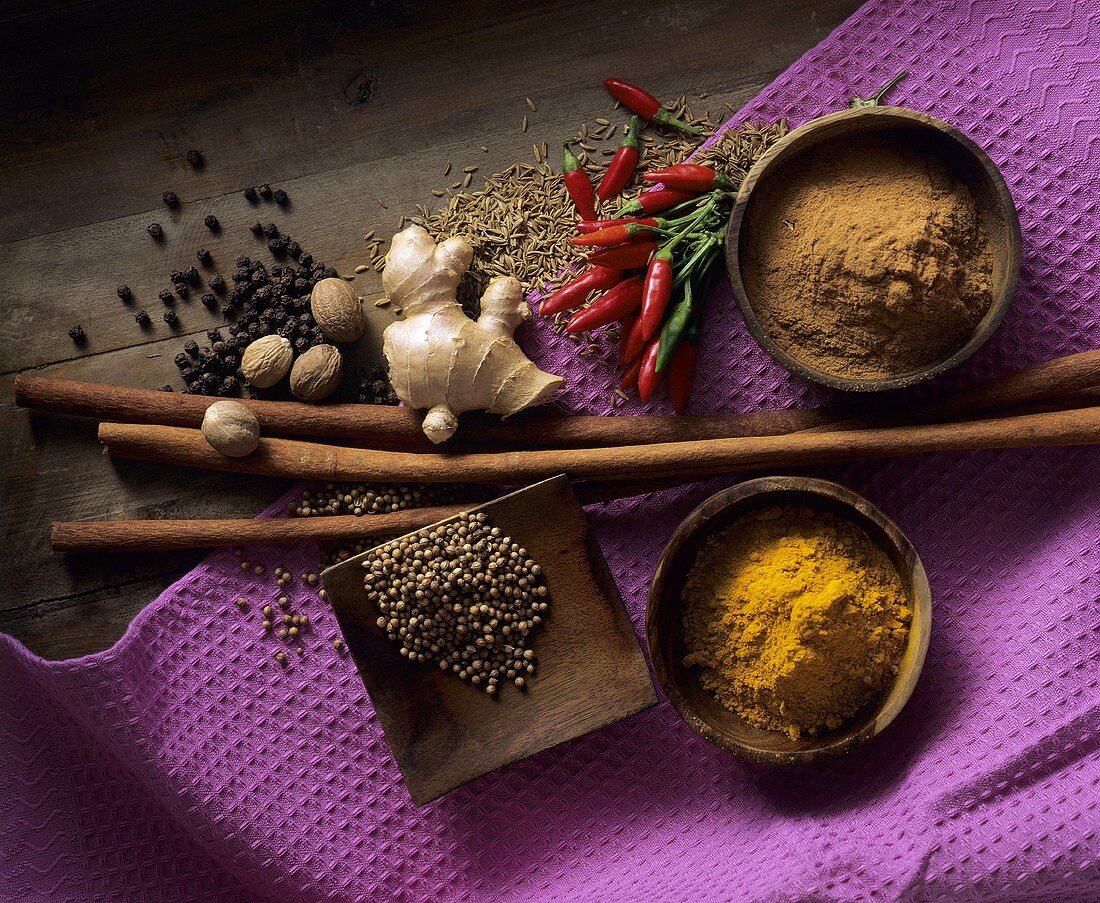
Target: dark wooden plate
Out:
[963,158]
[591,671]
[664,620]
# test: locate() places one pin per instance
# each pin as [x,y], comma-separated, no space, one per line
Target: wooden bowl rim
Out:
[793,487]
[794,142]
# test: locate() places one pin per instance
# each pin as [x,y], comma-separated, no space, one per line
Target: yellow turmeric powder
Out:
[796,618]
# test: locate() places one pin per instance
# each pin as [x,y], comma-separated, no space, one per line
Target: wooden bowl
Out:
[962,157]
[664,620]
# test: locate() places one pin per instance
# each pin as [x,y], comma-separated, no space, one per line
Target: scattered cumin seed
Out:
[447,168]
[383,204]
[384,302]
[531,104]
[523,128]
[362,268]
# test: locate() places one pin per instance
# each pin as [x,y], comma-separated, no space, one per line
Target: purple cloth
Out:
[186,764]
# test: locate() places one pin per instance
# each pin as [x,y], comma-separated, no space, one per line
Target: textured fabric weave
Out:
[185,763]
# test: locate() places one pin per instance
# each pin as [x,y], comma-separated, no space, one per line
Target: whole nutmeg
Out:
[338,311]
[316,373]
[267,360]
[231,429]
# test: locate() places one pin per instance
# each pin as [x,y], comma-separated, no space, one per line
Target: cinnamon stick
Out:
[386,426]
[399,428]
[156,535]
[290,458]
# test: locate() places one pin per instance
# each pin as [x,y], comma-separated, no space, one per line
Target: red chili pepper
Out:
[622,165]
[657,200]
[623,299]
[614,235]
[645,105]
[588,226]
[630,256]
[631,350]
[689,177]
[573,293]
[630,377]
[578,184]
[658,289]
[648,377]
[628,324]
[681,371]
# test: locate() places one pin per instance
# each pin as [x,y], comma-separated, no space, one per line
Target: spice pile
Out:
[328,499]
[796,618]
[461,595]
[868,261]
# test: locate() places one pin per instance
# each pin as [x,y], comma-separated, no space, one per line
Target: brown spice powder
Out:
[869,261]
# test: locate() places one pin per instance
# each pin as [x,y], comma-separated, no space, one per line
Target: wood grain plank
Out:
[309,87]
[88,147]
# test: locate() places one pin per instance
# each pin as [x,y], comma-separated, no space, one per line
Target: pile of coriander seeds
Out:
[461,595]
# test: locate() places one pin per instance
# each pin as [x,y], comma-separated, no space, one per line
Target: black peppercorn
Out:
[255,227]
[123,291]
[265,191]
[229,384]
[209,300]
[211,222]
[171,201]
[191,275]
[277,247]
[329,272]
[204,255]
[250,195]
[170,317]
[213,335]
[165,388]
[176,276]
[182,360]
[301,344]
[142,318]
[76,333]
[294,250]
[167,297]
[271,230]
[194,158]
[280,197]
[181,289]
[217,284]
[192,348]
[155,230]
[227,311]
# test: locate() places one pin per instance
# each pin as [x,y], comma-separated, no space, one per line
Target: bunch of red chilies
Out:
[653,270]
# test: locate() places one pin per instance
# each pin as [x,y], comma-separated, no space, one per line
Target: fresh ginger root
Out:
[439,358]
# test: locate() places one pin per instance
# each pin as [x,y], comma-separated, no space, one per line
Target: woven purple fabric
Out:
[185,763]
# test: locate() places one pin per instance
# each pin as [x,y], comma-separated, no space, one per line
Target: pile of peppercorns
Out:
[461,595]
[265,302]
[376,498]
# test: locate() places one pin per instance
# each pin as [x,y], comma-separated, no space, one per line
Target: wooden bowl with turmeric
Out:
[788,620]
[873,248]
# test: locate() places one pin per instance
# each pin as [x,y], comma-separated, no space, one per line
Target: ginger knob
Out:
[231,429]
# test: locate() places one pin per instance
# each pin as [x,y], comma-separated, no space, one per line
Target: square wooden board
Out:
[591,672]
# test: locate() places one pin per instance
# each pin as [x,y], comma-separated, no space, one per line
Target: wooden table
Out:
[102,100]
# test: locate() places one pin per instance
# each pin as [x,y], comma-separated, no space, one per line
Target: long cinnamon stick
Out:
[158,535]
[290,458]
[399,428]
[385,426]
[155,535]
